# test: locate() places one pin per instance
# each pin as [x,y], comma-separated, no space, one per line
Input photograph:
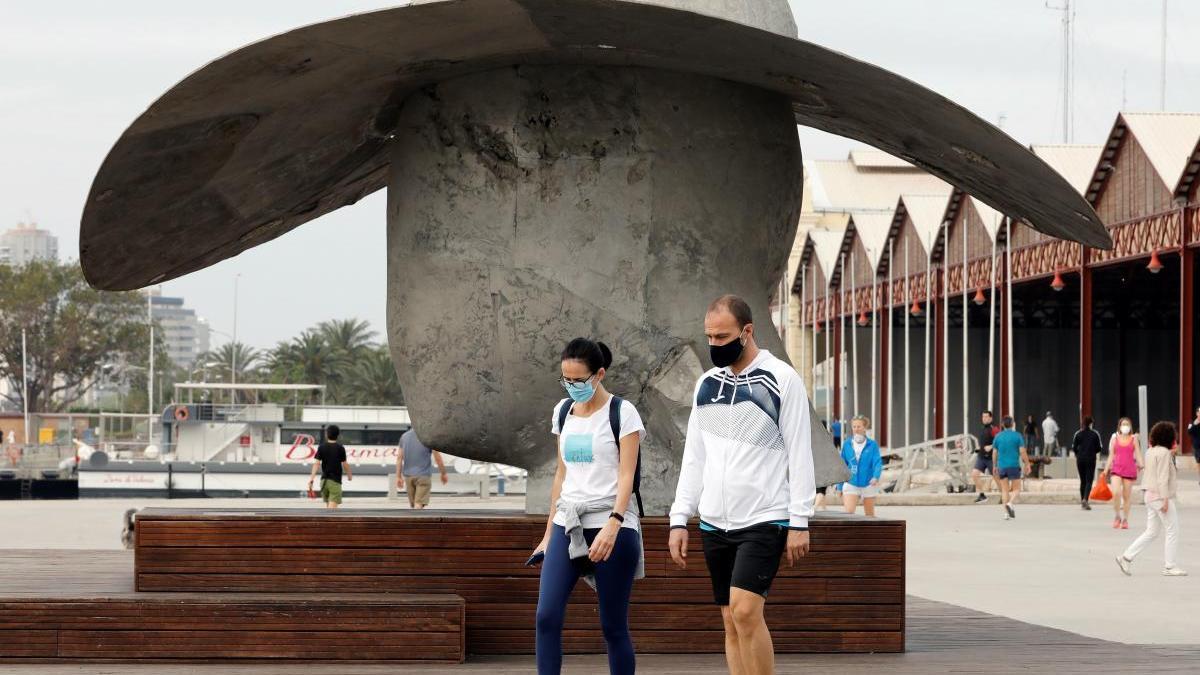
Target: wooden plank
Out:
[236,626]
[525,589]
[853,579]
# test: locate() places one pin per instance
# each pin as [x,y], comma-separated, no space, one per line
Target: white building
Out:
[27,242]
[184,334]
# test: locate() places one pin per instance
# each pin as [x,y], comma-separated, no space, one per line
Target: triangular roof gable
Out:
[829,246]
[1160,136]
[873,229]
[926,213]
[1076,163]
[1189,183]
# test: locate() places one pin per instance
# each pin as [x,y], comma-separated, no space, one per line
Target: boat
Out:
[252,445]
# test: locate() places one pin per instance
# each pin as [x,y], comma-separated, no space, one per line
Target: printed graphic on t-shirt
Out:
[743,407]
[577,448]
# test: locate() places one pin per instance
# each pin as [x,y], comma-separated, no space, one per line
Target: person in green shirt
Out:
[1012,462]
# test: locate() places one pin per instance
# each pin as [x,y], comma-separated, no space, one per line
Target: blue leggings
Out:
[614,583]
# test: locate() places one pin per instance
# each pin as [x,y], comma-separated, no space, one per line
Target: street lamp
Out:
[233,343]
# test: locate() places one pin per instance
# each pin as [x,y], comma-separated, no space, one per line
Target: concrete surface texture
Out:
[1052,566]
[531,205]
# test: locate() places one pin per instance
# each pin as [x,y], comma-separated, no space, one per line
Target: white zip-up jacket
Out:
[748,455]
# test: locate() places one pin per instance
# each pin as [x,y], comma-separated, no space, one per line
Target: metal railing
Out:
[952,455]
[37,461]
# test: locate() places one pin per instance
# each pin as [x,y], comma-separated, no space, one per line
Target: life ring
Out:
[181,413]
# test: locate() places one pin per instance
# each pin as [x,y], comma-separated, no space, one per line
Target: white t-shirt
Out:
[592,458]
[858,448]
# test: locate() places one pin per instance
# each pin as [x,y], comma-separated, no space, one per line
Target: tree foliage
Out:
[340,354]
[71,329]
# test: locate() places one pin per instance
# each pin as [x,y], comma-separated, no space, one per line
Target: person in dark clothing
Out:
[1086,445]
[1031,434]
[331,458]
[984,465]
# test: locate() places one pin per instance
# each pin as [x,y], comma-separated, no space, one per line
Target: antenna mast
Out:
[1068,69]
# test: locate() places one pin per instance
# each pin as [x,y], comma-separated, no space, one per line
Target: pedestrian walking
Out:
[593,532]
[1124,461]
[1012,462]
[1033,434]
[1049,435]
[1087,446]
[862,458]
[414,469]
[748,470]
[331,460]
[1162,508]
[984,463]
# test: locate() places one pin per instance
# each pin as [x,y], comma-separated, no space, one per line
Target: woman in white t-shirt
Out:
[592,531]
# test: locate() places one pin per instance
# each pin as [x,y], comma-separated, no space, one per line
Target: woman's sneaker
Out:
[980,498]
[1124,524]
[1124,562]
[1174,572]
[1116,523]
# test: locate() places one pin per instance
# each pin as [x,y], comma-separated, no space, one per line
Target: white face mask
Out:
[860,438]
[1125,429]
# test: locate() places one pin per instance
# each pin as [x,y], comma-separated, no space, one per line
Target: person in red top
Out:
[1124,461]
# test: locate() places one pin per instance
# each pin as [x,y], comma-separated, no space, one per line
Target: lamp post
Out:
[233,350]
[25,383]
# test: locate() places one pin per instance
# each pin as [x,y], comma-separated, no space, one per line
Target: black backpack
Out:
[614,422]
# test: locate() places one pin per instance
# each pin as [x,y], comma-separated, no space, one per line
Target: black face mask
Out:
[727,354]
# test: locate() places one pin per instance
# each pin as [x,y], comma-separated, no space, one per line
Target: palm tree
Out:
[373,379]
[348,337]
[217,364]
[310,359]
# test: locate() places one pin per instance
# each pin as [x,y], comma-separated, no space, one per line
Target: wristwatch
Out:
[620,518]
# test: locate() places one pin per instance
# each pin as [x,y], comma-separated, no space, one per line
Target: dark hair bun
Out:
[595,355]
[606,353]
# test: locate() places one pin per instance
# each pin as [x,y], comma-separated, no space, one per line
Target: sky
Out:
[74,75]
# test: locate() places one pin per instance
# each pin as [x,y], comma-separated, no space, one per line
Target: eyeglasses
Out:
[568,381]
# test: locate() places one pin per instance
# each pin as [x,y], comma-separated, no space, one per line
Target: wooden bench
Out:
[846,596]
[234,626]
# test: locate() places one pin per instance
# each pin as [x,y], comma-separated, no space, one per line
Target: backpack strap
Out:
[564,409]
[614,421]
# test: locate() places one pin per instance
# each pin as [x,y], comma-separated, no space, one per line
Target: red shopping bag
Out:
[1100,491]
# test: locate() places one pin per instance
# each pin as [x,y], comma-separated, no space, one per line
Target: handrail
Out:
[951,454]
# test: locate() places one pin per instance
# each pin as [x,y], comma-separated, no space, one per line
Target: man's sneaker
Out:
[1124,562]
[980,498]
[1011,513]
[1174,572]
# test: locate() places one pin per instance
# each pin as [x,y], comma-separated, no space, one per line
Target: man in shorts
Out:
[984,465]
[331,458]
[748,470]
[414,467]
[1012,462]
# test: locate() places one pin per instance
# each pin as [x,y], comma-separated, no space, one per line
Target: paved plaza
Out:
[1034,594]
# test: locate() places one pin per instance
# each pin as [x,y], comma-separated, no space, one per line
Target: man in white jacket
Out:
[748,470]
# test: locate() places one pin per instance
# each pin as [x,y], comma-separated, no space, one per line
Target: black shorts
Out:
[747,558]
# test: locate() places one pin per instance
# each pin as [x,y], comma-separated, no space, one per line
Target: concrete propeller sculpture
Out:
[554,168]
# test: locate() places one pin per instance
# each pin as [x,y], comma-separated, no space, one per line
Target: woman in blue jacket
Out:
[861,455]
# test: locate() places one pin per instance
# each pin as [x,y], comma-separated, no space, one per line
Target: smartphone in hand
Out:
[536,559]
